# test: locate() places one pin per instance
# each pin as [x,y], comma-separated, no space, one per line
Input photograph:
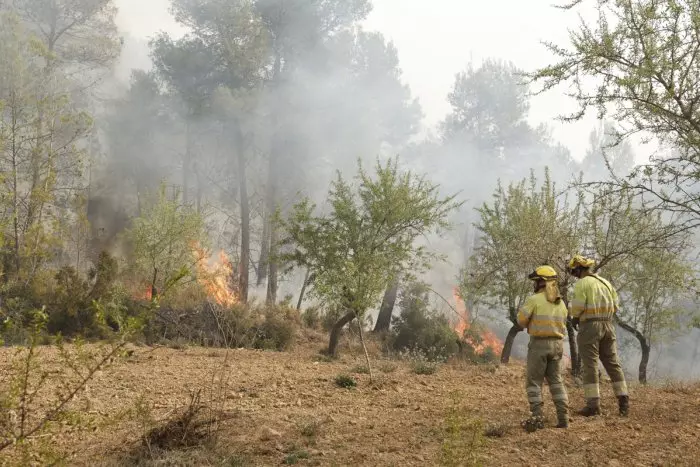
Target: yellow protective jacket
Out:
[542,318]
[594,299]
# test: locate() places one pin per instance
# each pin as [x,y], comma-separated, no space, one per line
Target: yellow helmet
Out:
[546,273]
[581,261]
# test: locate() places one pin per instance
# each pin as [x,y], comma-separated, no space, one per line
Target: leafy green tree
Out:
[40,157]
[163,240]
[489,104]
[651,289]
[637,64]
[368,235]
[525,226]
[644,254]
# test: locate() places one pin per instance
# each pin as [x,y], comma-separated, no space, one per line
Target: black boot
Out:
[624,403]
[563,423]
[592,408]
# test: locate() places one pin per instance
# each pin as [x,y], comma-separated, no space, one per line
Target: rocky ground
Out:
[286,408]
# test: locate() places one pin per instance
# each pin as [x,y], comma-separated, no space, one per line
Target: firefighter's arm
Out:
[525,313]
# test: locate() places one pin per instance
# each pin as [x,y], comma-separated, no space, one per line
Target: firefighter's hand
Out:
[574,324]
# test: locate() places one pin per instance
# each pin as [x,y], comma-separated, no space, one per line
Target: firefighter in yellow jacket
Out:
[544,316]
[593,306]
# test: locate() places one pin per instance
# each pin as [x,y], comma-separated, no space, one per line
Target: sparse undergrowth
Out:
[345,381]
[463,439]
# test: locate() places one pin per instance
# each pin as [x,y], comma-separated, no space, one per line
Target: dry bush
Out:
[496,430]
[188,428]
[681,387]
[463,436]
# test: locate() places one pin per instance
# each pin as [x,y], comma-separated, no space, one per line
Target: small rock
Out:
[298,402]
[268,433]
[614,463]
[419,458]
[638,427]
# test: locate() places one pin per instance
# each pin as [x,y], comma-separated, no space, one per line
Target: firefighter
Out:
[593,306]
[544,316]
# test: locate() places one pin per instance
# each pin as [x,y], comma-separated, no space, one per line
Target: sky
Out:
[436,39]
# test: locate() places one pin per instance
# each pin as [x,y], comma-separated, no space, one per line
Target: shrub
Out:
[463,436]
[277,332]
[422,367]
[312,318]
[420,329]
[345,381]
[360,369]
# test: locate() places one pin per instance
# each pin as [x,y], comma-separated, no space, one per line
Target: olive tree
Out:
[366,237]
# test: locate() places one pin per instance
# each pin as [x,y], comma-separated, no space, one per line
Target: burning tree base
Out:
[475,342]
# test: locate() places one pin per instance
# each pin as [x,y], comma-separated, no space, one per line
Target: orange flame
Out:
[145,294]
[215,278]
[488,339]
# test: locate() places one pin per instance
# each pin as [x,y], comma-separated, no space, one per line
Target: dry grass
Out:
[285,408]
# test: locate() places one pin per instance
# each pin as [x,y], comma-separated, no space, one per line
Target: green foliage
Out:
[345,381]
[29,397]
[489,103]
[312,317]
[277,332]
[162,241]
[525,226]
[368,235]
[424,367]
[640,68]
[463,439]
[420,330]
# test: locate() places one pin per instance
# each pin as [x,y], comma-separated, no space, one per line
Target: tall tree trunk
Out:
[264,251]
[186,163]
[643,343]
[15,195]
[385,311]
[272,274]
[336,331]
[307,280]
[644,362]
[272,181]
[508,344]
[244,266]
[198,180]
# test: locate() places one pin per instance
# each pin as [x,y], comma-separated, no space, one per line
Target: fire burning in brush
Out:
[486,340]
[215,277]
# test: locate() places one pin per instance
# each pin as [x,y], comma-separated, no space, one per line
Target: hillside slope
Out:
[286,407]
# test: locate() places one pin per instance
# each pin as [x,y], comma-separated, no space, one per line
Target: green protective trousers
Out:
[544,361]
[597,340]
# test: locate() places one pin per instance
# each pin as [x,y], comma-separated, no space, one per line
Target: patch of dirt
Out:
[286,408]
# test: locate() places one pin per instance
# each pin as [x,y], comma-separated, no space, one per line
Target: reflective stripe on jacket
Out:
[542,318]
[594,298]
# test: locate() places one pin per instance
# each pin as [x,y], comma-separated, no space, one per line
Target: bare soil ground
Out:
[286,408]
